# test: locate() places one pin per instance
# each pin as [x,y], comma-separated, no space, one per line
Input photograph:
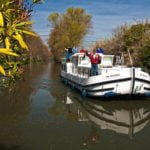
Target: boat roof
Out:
[78,54]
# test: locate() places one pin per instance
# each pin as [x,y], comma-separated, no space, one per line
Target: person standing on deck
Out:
[74,50]
[82,50]
[68,54]
[95,60]
[100,51]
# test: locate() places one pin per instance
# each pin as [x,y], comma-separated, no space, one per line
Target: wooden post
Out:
[130,57]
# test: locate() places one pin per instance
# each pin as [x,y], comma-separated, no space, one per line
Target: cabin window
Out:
[74,60]
[84,60]
[107,61]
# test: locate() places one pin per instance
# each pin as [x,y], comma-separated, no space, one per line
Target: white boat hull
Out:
[110,82]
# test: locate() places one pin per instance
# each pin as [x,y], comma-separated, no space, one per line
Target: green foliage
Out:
[145,58]
[14,24]
[134,34]
[136,39]
[69,29]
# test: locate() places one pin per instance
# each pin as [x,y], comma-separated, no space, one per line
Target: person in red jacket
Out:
[95,60]
[82,50]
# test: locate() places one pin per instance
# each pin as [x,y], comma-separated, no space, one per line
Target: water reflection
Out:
[15,106]
[15,101]
[122,117]
[125,121]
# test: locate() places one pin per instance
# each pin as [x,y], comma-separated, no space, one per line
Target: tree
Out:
[134,38]
[68,30]
[137,40]
[14,16]
[38,51]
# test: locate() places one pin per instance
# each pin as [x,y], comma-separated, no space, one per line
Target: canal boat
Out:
[113,78]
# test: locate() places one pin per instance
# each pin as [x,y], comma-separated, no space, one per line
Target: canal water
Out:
[42,113]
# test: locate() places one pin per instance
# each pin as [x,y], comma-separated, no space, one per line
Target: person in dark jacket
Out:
[68,54]
[100,50]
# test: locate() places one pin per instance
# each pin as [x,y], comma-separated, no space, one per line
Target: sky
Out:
[107,15]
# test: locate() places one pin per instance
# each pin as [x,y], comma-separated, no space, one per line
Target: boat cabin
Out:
[80,63]
[81,60]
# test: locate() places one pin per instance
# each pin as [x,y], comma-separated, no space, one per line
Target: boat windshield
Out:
[107,60]
[81,60]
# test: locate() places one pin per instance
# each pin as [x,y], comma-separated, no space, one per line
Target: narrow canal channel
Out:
[42,113]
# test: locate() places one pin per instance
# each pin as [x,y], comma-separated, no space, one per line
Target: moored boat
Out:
[113,78]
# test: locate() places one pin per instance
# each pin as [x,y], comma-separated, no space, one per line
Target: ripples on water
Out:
[41,113]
